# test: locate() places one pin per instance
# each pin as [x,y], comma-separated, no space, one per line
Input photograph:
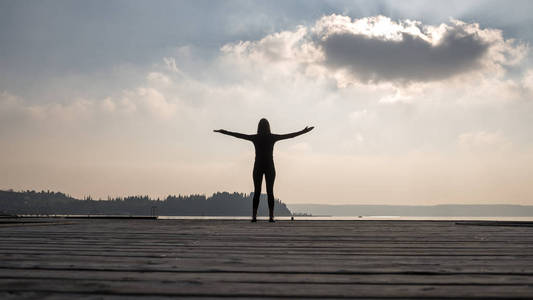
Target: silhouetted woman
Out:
[264,161]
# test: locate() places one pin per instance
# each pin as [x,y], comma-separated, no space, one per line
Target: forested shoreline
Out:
[218,204]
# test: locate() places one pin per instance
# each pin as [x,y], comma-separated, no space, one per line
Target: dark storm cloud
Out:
[409,59]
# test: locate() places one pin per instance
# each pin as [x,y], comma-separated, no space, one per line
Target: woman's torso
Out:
[264,148]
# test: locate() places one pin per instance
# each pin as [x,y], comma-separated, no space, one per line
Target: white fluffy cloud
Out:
[152,98]
[378,49]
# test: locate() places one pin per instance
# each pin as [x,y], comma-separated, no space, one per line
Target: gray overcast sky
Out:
[415,102]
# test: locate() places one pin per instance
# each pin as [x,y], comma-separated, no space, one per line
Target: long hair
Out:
[263,127]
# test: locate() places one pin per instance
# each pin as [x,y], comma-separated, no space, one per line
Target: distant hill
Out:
[219,204]
[497,210]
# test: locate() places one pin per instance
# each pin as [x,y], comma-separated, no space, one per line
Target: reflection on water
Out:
[351,218]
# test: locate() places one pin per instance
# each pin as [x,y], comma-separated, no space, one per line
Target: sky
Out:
[413,102]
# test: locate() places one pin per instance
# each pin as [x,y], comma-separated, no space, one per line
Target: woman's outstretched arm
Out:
[235,134]
[294,134]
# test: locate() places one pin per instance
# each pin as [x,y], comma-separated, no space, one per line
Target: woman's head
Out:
[263,127]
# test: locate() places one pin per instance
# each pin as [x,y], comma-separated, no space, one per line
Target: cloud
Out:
[158,78]
[15,107]
[527,81]
[378,49]
[153,101]
[410,58]
[150,99]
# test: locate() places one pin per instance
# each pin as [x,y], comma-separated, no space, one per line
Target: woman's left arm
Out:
[278,137]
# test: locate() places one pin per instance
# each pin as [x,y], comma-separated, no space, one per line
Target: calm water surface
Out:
[351,218]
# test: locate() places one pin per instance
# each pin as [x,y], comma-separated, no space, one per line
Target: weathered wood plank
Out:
[240,289]
[224,258]
[271,277]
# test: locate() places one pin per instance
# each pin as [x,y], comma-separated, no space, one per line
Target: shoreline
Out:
[280,218]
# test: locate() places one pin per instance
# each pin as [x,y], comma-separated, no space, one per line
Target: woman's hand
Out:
[220,130]
[307,128]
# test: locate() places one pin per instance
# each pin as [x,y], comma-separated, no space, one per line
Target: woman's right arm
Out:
[243,136]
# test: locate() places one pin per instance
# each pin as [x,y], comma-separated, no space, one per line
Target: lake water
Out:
[351,218]
[304,218]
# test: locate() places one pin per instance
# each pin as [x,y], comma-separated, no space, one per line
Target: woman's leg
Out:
[270,176]
[258,181]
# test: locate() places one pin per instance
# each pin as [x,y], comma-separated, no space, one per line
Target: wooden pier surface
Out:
[129,259]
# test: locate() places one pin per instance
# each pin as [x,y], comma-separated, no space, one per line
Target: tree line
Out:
[218,204]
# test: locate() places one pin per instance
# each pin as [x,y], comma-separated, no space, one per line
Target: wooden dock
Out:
[128,259]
